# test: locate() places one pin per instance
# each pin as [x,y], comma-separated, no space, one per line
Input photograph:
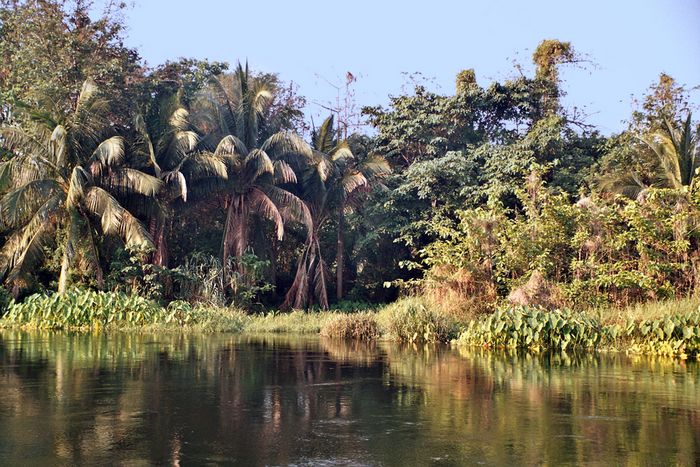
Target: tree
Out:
[49,48]
[171,145]
[678,153]
[674,164]
[64,177]
[331,179]
[235,106]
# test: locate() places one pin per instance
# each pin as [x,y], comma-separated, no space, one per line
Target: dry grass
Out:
[459,293]
[358,326]
[648,310]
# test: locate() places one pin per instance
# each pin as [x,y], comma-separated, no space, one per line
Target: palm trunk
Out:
[339,260]
[68,251]
[236,230]
[160,257]
[63,278]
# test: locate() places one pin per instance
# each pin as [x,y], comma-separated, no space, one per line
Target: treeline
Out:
[199,181]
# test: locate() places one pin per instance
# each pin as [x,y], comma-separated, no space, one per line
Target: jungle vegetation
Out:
[202,182]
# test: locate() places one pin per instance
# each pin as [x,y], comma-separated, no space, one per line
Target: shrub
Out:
[409,320]
[533,328]
[538,329]
[359,326]
[79,309]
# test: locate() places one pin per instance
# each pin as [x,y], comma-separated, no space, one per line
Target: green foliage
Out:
[358,326]
[537,329]
[86,309]
[533,328]
[49,48]
[79,308]
[5,300]
[410,320]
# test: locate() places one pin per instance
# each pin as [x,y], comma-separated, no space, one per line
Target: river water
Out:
[140,399]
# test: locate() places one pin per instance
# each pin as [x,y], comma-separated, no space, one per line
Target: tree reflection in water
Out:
[81,398]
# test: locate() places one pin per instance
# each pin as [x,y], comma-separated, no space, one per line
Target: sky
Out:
[627,44]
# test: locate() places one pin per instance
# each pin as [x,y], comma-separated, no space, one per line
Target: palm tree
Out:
[64,176]
[677,155]
[171,143]
[332,179]
[256,166]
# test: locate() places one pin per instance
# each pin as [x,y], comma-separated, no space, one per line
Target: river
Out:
[141,399]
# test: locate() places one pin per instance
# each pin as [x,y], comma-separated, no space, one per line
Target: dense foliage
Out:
[188,182]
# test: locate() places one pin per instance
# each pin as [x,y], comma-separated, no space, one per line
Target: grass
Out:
[666,327]
[649,310]
[296,322]
[356,326]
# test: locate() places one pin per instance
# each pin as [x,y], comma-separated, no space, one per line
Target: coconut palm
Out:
[332,180]
[257,167]
[64,176]
[677,155]
[171,144]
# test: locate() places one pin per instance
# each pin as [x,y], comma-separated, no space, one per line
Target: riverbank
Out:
[670,328]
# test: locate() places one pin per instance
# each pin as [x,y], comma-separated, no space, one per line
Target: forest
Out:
[203,183]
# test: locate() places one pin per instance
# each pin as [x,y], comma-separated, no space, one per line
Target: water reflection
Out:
[169,399]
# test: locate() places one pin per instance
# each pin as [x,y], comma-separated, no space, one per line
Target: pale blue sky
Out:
[307,42]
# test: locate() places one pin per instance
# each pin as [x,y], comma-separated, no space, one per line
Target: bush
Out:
[409,320]
[79,309]
[538,329]
[359,326]
[533,328]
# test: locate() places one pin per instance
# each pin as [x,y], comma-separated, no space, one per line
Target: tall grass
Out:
[411,319]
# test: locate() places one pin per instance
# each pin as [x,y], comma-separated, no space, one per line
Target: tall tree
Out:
[64,176]
[235,106]
[331,180]
[49,48]
[169,140]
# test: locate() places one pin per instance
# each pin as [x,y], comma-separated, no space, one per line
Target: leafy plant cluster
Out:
[87,309]
[538,329]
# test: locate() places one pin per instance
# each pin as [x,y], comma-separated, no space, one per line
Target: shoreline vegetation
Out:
[667,328]
[197,195]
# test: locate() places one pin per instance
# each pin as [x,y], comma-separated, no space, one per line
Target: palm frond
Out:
[262,205]
[231,145]
[341,152]
[58,145]
[103,205]
[285,144]
[108,154]
[176,181]
[353,181]
[324,137]
[142,130]
[79,181]
[19,205]
[203,165]
[24,247]
[284,173]
[180,119]
[115,219]
[297,209]
[257,163]
[25,145]
[131,181]
[375,166]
